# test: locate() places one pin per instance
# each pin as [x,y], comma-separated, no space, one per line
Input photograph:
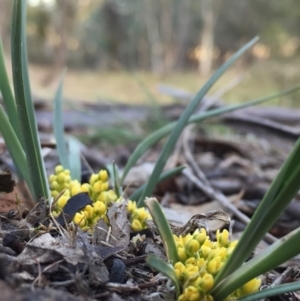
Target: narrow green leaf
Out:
[8,98]
[164,176]
[183,120]
[279,252]
[14,147]
[161,266]
[159,134]
[163,228]
[118,188]
[24,102]
[74,155]
[282,190]
[273,291]
[58,127]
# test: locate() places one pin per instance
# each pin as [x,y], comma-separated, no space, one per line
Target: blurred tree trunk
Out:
[167,33]
[184,21]
[209,11]
[207,37]
[155,43]
[5,19]
[63,20]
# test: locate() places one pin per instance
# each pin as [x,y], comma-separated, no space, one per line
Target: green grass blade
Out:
[276,254]
[8,97]
[164,176]
[163,228]
[118,187]
[274,291]
[58,127]
[74,156]
[24,102]
[282,190]
[183,120]
[161,266]
[14,147]
[156,136]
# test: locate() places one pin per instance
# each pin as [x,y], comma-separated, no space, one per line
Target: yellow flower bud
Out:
[201,262]
[136,225]
[62,201]
[105,186]
[214,265]
[102,197]
[190,261]
[54,193]
[94,178]
[191,293]
[223,238]
[182,254]
[191,271]
[141,214]
[103,175]
[111,196]
[250,287]
[75,190]
[97,187]
[205,251]
[58,169]
[222,252]
[99,208]
[67,178]
[207,282]
[88,211]
[201,237]
[131,207]
[80,219]
[52,178]
[192,247]
[55,213]
[186,239]
[55,186]
[86,188]
[179,269]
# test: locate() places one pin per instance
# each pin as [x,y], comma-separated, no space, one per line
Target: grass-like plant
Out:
[235,273]
[18,127]
[19,130]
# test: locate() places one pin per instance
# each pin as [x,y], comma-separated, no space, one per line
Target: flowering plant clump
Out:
[63,187]
[138,216]
[200,261]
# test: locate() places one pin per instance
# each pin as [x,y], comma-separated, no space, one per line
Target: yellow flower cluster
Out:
[200,261]
[138,216]
[64,187]
[97,189]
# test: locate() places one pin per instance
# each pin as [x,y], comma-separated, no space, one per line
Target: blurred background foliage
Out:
[161,37]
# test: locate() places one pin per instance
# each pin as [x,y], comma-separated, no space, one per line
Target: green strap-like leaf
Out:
[24,102]
[8,98]
[14,147]
[274,291]
[74,154]
[281,192]
[183,120]
[163,228]
[58,126]
[161,266]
